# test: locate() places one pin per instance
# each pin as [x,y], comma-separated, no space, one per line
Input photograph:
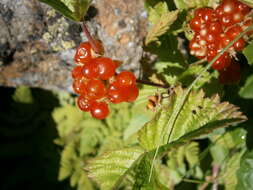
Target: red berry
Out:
[83,53]
[196,23]
[79,86]
[116,95]
[225,40]
[99,110]
[211,54]
[126,78]
[229,6]
[226,20]
[208,15]
[214,45]
[246,24]
[222,62]
[238,17]
[215,27]
[84,103]
[77,72]
[244,9]
[90,70]
[133,93]
[106,67]
[233,31]
[239,44]
[211,38]
[219,11]
[95,89]
[231,74]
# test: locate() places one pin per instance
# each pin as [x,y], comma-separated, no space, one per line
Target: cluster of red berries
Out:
[97,83]
[216,28]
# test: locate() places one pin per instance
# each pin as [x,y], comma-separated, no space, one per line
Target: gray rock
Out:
[37,44]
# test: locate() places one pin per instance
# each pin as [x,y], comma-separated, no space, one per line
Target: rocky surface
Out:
[37,44]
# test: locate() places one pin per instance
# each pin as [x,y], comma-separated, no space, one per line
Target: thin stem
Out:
[193,181]
[215,172]
[151,83]
[90,38]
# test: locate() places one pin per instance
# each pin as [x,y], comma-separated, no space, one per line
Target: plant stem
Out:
[151,83]
[193,181]
[90,38]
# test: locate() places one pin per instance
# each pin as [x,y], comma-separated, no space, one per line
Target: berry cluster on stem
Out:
[215,28]
[96,81]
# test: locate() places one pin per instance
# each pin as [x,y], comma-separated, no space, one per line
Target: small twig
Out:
[215,172]
[193,181]
[151,84]
[90,38]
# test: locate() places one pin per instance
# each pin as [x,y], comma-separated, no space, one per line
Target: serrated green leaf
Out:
[140,114]
[89,136]
[23,95]
[192,154]
[72,9]
[247,2]
[247,51]
[176,161]
[157,11]
[170,71]
[68,157]
[109,169]
[196,113]
[192,72]
[67,119]
[245,173]
[206,129]
[229,169]
[161,27]
[247,90]
[141,174]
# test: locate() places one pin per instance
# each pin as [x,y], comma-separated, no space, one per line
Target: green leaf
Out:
[109,169]
[90,135]
[23,95]
[245,173]
[170,71]
[247,51]
[229,169]
[161,27]
[141,176]
[177,167]
[157,11]
[72,9]
[247,2]
[226,142]
[164,51]
[247,90]
[67,119]
[186,4]
[140,114]
[189,75]
[206,129]
[196,113]
[68,156]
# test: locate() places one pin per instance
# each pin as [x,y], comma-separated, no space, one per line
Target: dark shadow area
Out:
[30,159]
[246,105]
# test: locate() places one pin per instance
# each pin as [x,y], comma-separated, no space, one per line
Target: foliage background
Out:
[45,139]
